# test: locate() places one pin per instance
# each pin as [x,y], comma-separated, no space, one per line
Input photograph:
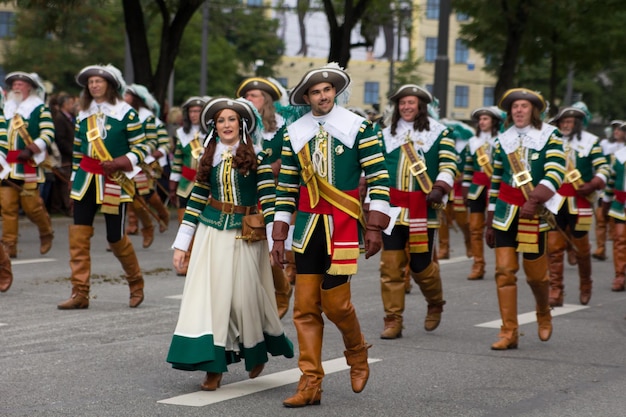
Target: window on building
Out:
[255,2]
[371,95]
[431,50]
[462,17]
[461,52]
[488,98]
[432,9]
[283,81]
[461,96]
[7,24]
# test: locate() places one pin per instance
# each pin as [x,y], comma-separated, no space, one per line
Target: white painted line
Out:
[251,386]
[175,297]
[3,324]
[454,260]
[33,261]
[532,317]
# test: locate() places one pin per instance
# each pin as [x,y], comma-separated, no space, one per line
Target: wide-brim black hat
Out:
[515,94]
[568,112]
[31,78]
[241,106]
[194,101]
[492,111]
[327,74]
[411,90]
[108,72]
[258,83]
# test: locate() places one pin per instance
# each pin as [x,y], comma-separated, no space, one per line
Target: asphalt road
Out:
[109,360]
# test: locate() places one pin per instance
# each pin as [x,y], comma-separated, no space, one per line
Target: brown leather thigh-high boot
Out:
[477,228]
[132,225]
[307,318]
[408,281]
[462,219]
[392,290]
[80,264]
[162,211]
[507,266]
[6,274]
[429,281]
[147,229]
[536,271]
[125,253]
[10,210]
[36,212]
[282,290]
[290,267]
[444,235]
[556,252]
[619,256]
[583,256]
[600,252]
[338,307]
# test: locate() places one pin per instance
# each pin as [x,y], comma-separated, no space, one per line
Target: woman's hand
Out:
[178,259]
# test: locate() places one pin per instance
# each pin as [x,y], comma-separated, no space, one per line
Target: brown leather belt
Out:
[230,208]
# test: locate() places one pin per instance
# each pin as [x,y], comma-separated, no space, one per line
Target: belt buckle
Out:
[93,134]
[231,210]
[522,178]
[195,153]
[573,176]
[483,160]
[17,123]
[417,168]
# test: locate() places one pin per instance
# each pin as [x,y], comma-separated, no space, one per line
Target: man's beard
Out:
[15,96]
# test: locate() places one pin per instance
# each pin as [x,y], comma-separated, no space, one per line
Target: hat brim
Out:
[218,104]
[338,78]
[485,111]
[515,94]
[411,90]
[569,112]
[194,101]
[21,76]
[257,83]
[97,71]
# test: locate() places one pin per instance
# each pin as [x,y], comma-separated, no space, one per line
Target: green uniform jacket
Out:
[227,184]
[273,142]
[542,153]
[122,133]
[183,157]
[40,127]
[471,165]
[353,146]
[435,146]
[617,182]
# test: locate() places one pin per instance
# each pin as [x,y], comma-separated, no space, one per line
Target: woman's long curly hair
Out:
[244,158]
[268,113]
[420,123]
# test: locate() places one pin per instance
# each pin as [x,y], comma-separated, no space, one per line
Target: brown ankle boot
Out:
[6,274]
[392,289]
[80,264]
[125,253]
[212,381]
[309,392]
[429,281]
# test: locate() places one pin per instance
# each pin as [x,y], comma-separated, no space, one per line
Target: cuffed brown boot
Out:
[132,225]
[282,289]
[461,218]
[307,318]
[429,281]
[10,218]
[392,290]
[125,253]
[556,251]
[619,256]
[477,228]
[338,307]
[80,264]
[6,274]
[507,266]
[536,271]
[600,252]
[164,215]
[584,268]
[36,212]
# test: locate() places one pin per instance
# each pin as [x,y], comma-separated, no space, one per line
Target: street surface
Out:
[109,360]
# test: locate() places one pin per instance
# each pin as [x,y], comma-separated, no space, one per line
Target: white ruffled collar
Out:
[115,111]
[24,109]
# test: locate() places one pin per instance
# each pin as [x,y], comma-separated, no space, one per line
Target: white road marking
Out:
[3,324]
[251,386]
[532,317]
[454,260]
[175,297]
[33,261]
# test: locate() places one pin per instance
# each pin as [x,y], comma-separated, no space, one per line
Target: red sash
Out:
[584,219]
[415,201]
[620,196]
[30,170]
[344,242]
[189,173]
[480,178]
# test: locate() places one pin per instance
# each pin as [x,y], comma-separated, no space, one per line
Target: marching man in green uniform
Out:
[421,159]
[187,151]
[109,143]
[323,155]
[24,147]
[528,168]
[477,171]
[587,171]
